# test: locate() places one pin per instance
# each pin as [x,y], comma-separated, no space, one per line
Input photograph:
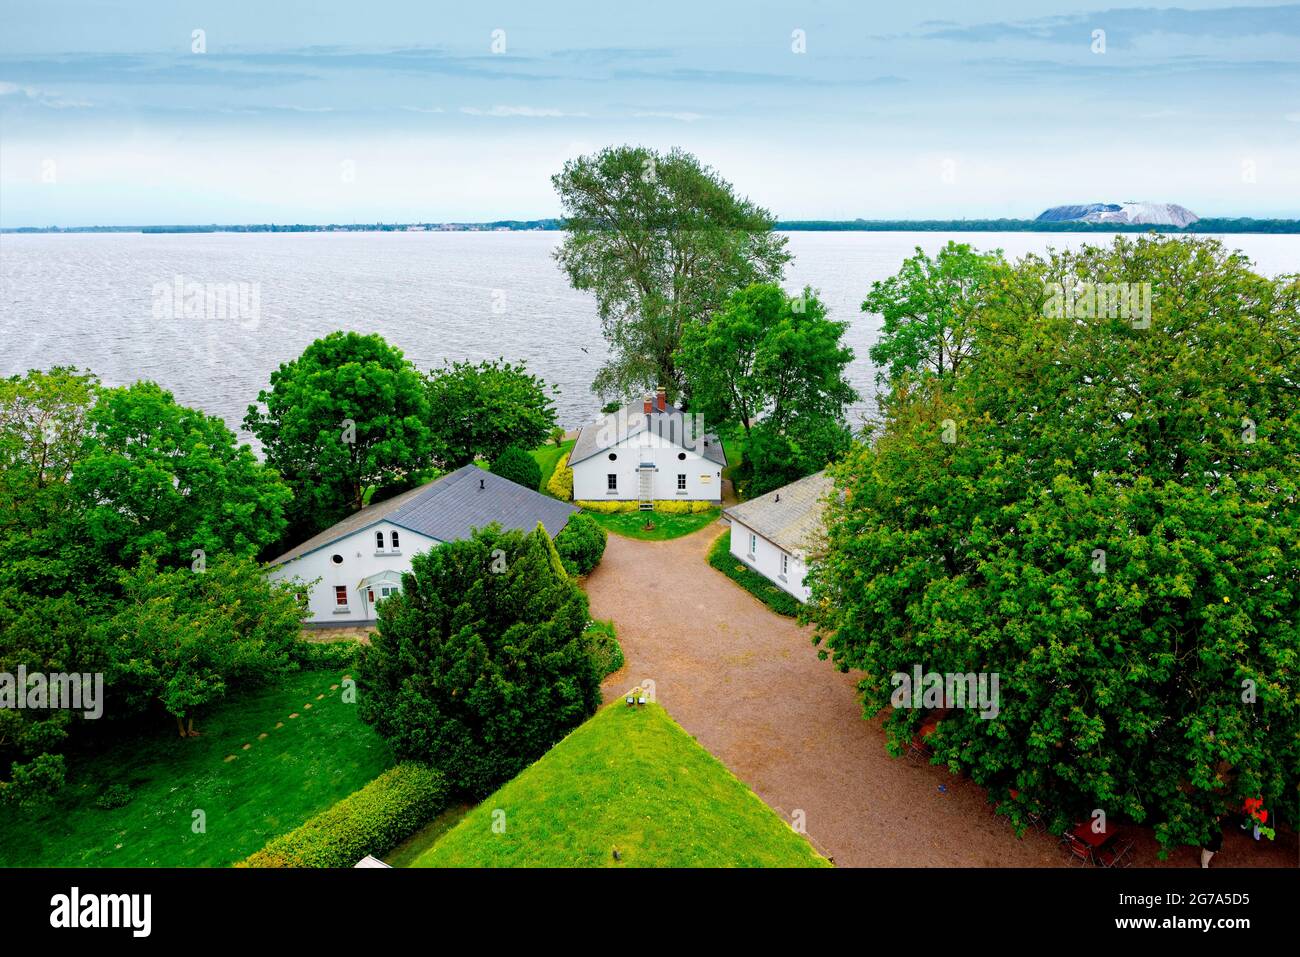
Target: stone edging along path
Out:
[748,684]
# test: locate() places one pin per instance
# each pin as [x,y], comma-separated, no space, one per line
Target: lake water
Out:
[89,300]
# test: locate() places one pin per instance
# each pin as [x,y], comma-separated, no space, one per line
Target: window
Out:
[393,536]
[681,456]
[379,540]
[681,481]
[341,596]
[611,482]
[337,559]
[613,456]
[753,544]
[785,564]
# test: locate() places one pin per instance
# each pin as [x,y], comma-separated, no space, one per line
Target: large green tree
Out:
[481,663]
[478,410]
[181,639]
[1101,509]
[156,476]
[349,413]
[767,355]
[926,309]
[661,240]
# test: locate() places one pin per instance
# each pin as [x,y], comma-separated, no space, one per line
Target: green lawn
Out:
[631,780]
[630,524]
[300,768]
[765,590]
[547,456]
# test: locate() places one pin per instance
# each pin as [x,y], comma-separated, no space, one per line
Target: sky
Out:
[317,112]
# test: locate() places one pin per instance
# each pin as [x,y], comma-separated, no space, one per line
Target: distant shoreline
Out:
[1209,225]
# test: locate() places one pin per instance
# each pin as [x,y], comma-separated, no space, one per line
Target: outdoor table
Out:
[1095,840]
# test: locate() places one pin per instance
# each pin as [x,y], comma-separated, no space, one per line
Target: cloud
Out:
[667,115]
[46,98]
[517,111]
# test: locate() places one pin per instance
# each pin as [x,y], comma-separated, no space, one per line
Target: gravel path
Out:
[749,686]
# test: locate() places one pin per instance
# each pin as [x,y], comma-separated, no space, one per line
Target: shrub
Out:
[479,665]
[606,652]
[561,483]
[114,796]
[674,506]
[518,466]
[581,542]
[778,599]
[327,654]
[373,820]
[608,507]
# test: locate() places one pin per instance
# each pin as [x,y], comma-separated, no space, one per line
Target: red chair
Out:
[1080,852]
[1116,856]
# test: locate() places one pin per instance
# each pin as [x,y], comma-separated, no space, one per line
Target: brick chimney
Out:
[649,404]
[661,399]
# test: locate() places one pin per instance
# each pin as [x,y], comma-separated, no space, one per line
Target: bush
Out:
[518,466]
[606,652]
[608,507]
[561,483]
[673,506]
[327,654]
[373,820]
[778,599]
[114,796]
[581,542]
[479,666]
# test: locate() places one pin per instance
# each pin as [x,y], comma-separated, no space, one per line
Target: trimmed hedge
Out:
[327,654]
[582,542]
[561,482]
[667,506]
[779,600]
[518,466]
[373,820]
[606,652]
[672,506]
[608,507]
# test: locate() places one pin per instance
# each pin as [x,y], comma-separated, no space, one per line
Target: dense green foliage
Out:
[480,663]
[661,240]
[480,410]
[371,821]
[629,782]
[927,307]
[1103,511]
[518,466]
[349,413]
[606,652]
[760,586]
[122,516]
[293,767]
[582,542]
[774,366]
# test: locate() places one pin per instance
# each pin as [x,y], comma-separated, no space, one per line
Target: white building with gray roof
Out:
[774,532]
[359,561]
[646,452]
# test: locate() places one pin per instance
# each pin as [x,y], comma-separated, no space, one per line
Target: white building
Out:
[645,453]
[773,533]
[360,560]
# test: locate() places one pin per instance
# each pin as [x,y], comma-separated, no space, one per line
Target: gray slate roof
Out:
[790,516]
[605,433]
[449,508]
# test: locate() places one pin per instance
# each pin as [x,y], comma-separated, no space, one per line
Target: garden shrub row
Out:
[665,506]
[372,820]
[561,481]
[779,600]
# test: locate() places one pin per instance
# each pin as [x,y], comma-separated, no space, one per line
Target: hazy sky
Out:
[389,110]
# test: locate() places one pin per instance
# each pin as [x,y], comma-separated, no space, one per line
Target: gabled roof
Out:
[450,508]
[607,432]
[790,516]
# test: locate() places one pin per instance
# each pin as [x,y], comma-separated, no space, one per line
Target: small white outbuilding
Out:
[773,532]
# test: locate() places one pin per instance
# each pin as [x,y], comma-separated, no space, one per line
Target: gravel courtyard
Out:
[748,684]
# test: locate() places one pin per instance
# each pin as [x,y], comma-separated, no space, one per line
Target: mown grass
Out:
[632,524]
[548,456]
[297,770]
[766,591]
[629,780]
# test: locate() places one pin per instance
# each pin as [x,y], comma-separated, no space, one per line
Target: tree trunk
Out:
[180,726]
